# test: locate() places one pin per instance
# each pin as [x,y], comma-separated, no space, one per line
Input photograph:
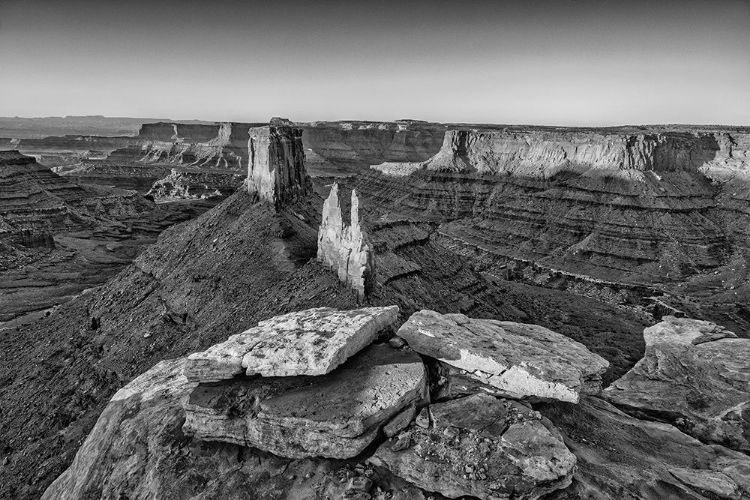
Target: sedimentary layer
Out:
[612,205]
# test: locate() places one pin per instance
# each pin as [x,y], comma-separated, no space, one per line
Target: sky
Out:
[556,62]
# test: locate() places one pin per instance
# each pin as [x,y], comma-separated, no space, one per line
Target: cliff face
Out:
[345,248]
[337,147]
[638,207]
[219,146]
[35,202]
[276,168]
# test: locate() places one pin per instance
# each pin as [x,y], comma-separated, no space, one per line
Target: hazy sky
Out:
[558,62]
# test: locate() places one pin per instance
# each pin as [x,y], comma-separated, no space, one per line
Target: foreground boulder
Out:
[137,450]
[516,360]
[621,457]
[695,375]
[311,342]
[336,415]
[480,446]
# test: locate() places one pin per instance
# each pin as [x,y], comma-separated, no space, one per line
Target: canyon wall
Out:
[345,247]
[276,166]
[636,207]
[342,148]
[216,146]
[35,202]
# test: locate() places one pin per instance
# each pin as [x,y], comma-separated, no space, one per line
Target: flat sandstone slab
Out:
[480,446]
[519,360]
[695,375]
[310,342]
[335,415]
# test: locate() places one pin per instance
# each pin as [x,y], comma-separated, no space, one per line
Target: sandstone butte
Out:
[515,360]
[310,342]
[345,248]
[695,375]
[276,167]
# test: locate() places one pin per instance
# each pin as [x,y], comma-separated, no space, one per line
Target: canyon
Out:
[513,272]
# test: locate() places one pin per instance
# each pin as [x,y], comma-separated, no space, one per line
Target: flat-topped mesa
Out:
[346,248]
[276,166]
[543,154]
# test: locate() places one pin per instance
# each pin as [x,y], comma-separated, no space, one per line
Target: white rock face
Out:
[345,247]
[518,360]
[311,342]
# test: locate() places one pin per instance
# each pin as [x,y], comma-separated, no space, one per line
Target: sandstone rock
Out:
[310,342]
[695,375]
[619,456]
[518,360]
[343,247]
[483,447]
[276,167]
[137,450]
[335,415]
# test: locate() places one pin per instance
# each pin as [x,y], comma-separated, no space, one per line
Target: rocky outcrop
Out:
[694,375]
[480,446]
[137,450]
[619,456]
[613,204]
[516,360]
[311,342]
[336,415]
[276,164]
[345,248]
[186,185]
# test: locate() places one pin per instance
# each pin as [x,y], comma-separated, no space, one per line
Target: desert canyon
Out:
[374,310]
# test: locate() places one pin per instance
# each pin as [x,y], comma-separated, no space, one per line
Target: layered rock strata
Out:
[310,342]
[36,203]
[515,359]
[480,446]
[276,164]
[695,375]
[345,247]
[336,415]
[637,207]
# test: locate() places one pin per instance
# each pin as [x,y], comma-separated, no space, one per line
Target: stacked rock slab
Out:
[480,446]
[509,359]
[336,415]
[294,399]
[695,375]
[276,166]
[343,247]
[310,342]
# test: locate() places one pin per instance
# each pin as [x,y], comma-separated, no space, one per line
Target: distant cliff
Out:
[616,205]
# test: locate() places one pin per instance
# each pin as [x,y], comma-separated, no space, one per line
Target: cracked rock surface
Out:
[335,415]
[310,342]
[695,375]
[518,360]
[480,446]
